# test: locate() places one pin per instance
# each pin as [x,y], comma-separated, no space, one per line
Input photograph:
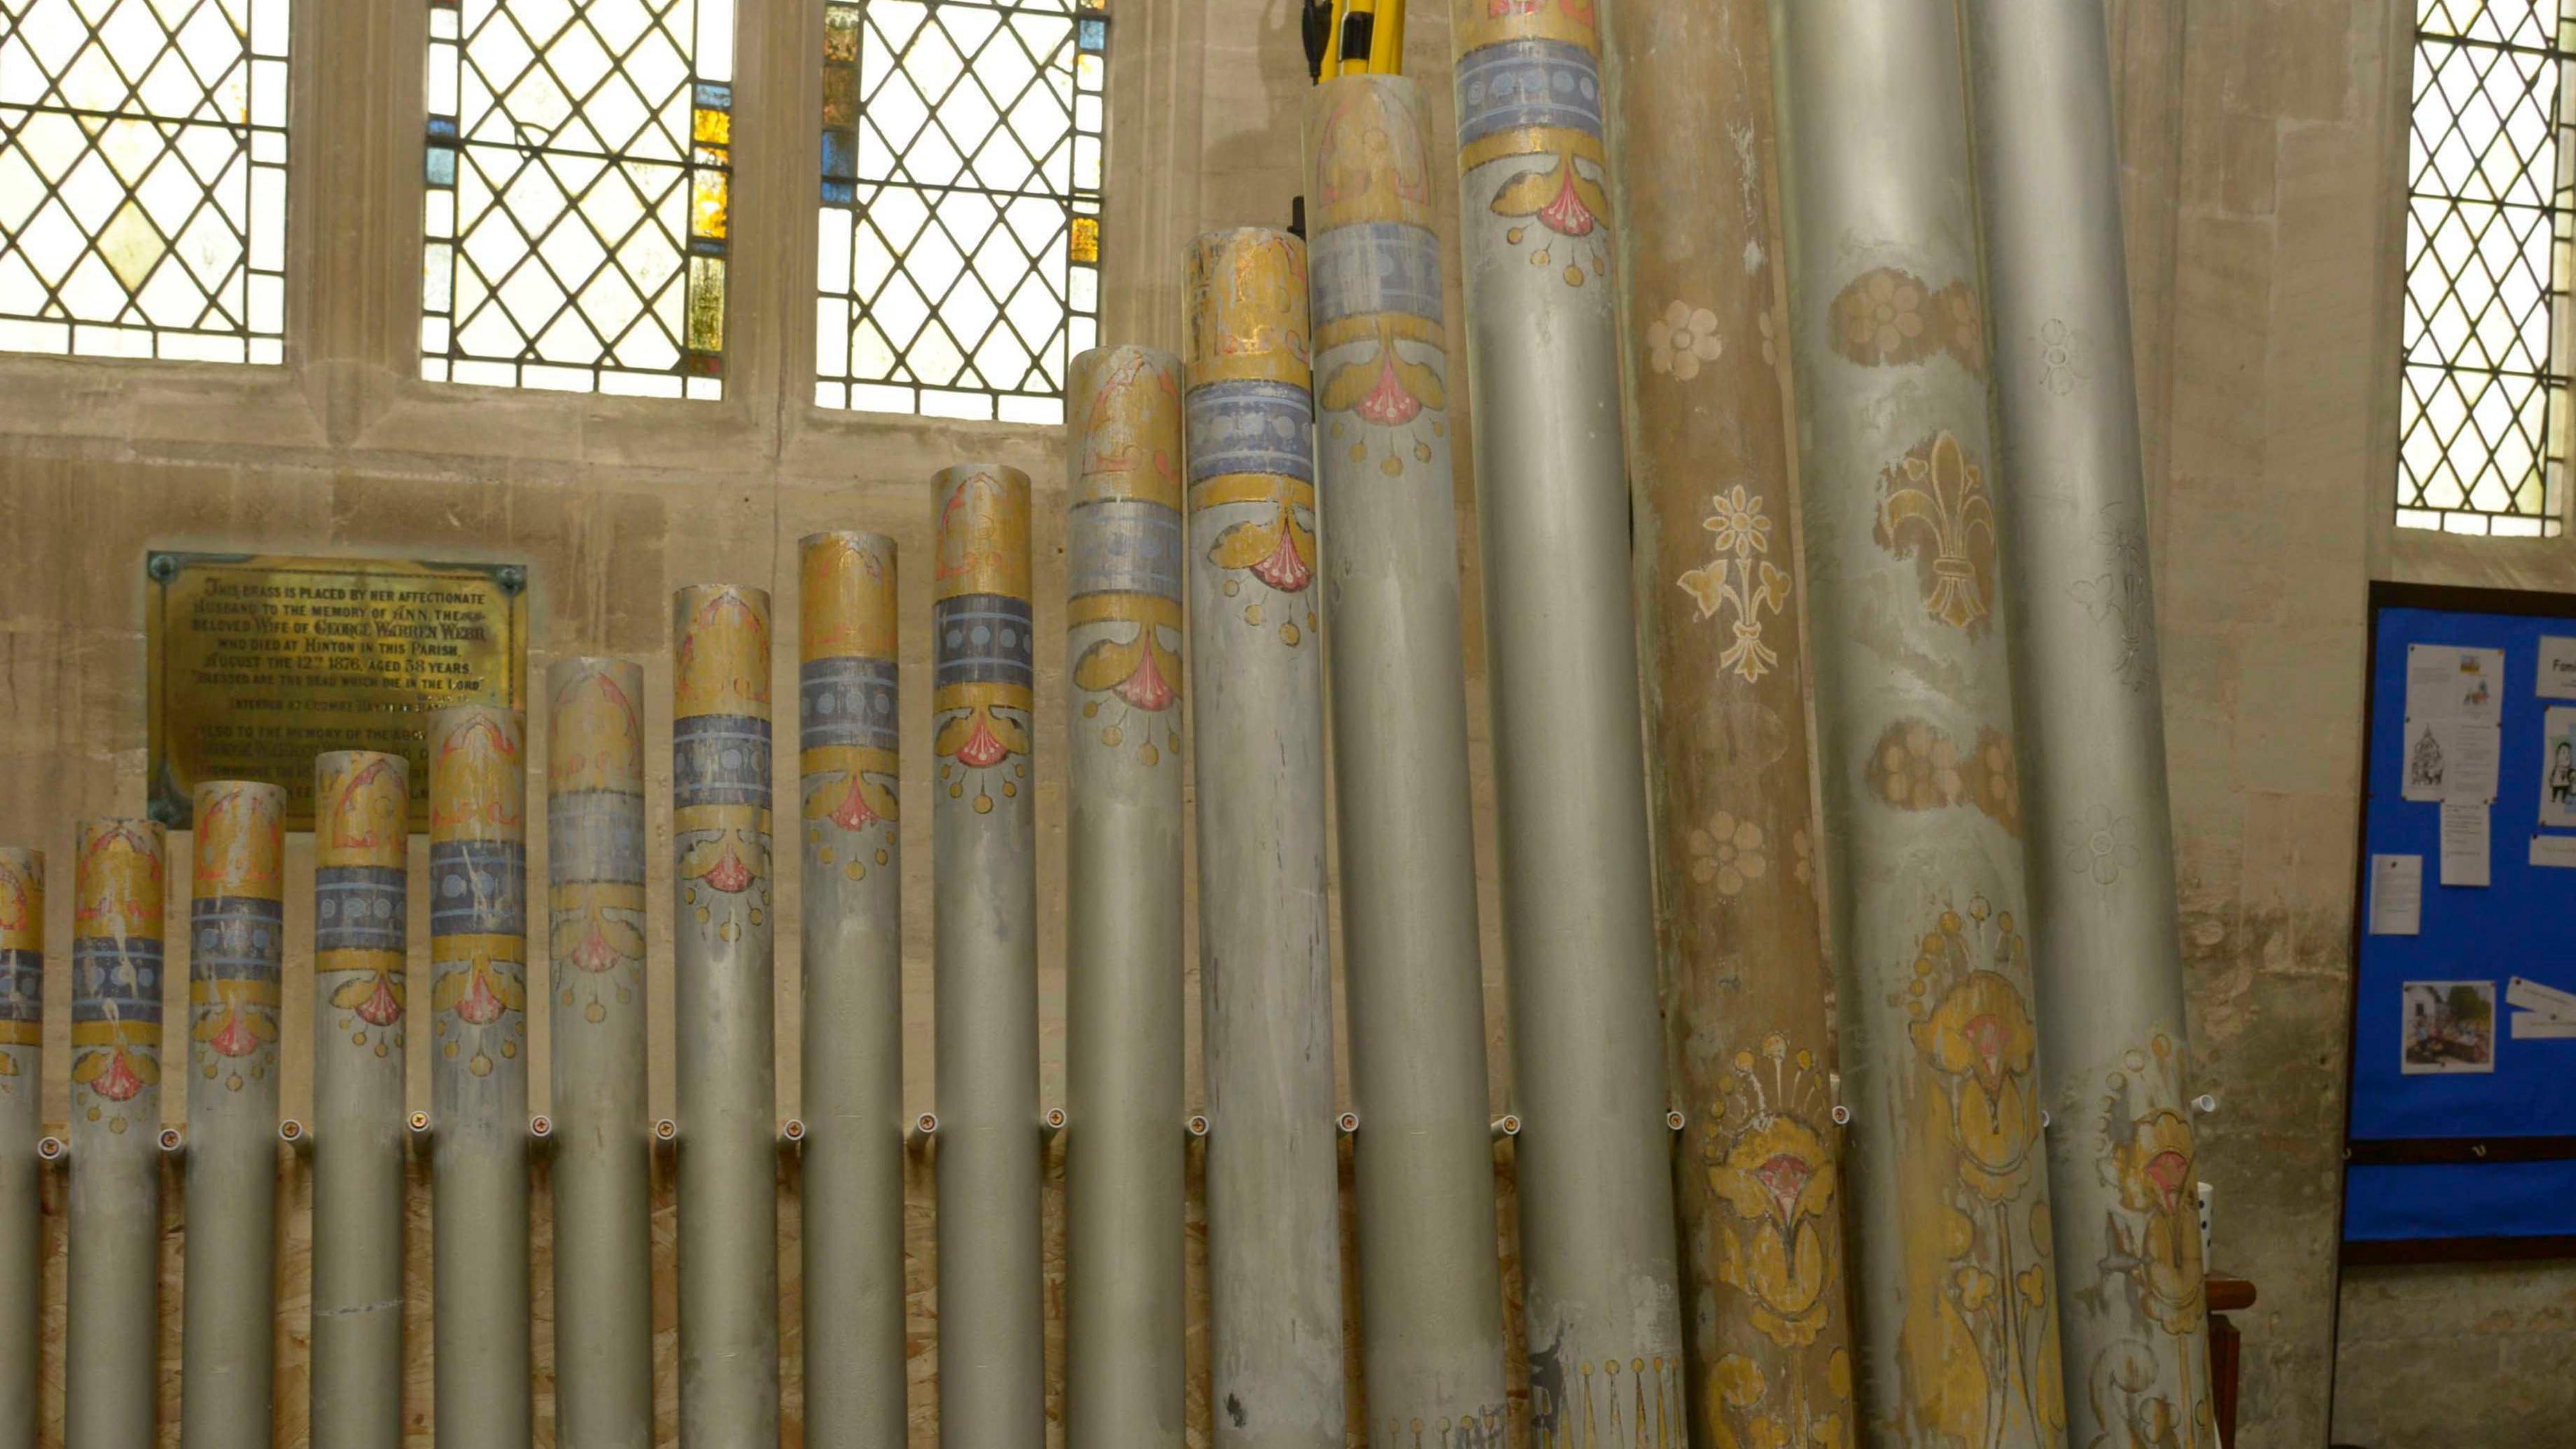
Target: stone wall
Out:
[2263,164]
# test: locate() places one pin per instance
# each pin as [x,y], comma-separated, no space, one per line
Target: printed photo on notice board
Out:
[2447,1026]
[2558,769]
[2450,682]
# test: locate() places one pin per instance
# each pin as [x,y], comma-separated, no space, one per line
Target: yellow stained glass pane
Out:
[712,127]
[710,196]
[1086,239]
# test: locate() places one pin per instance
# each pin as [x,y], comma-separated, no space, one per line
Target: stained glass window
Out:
[2489,245]
[579,168]
[960,226]
[143,178]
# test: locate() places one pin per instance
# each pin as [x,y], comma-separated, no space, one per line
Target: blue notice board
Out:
[2460,1131]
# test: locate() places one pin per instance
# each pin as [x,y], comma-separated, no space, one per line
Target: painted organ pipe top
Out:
[1125,546]
[984,672]
[116,973]
[22,968]
[478,885]
[237,921]
[848,714]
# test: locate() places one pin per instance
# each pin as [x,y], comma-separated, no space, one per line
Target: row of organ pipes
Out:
[1709,1295]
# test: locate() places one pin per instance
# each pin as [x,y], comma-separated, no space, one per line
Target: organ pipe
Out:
[603,1250]
[1274,1238]
[115,1220]
[22,1060]
[478,1076]
[361,847]
[1597,1235]
[1123,1162]
[852,939]
[1719,585]
[728,1189]
[1431,1311]
[992,1368]
[2107,948]
[1949,1226]
[236,925]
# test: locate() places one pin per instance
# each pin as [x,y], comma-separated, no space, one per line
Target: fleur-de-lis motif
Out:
[1933,506]
[1740,579]
[1386,390]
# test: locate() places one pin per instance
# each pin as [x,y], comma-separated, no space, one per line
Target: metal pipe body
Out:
[1125,1183]
[1719,590]
[2109,953]
[848,772]
[603,1247]
[722,957]
[114,1289]
[478,1075]
[361,856]
[1598,1250]
[1948,1232]
[22,1121]
[992,1365]
[1273,1192]
[236,928]
[1430,1284]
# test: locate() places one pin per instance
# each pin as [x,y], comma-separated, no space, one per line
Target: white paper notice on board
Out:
[2396,895]
[2427,761]
[2528,1027]
[2530,995]
[2464,842]
[2470,773]
[2557,668]
[2452,682]
[2553,852]
[2558,767]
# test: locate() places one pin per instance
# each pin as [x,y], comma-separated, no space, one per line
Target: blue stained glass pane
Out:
[840,154]
[442,166]
[715,95]
[1091,35]
[839,193]
[442,128]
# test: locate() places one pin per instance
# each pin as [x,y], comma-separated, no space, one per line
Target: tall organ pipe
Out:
[720,837]
[1598,1253]
[1123,1161]
[1914,723]
[2109,954]
[1748,990]
[1274,1231]
[22,1060]
[848,774]
[1430,1286]
[603,1260]
[236,922]
[361,846]
[478,1075]
[992,1367]
[115,1268]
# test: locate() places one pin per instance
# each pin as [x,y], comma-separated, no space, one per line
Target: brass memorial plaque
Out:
[260,662]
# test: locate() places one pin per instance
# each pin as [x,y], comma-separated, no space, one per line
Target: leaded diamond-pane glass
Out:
[2483,404]
[960,228]
[579,177]
[143,178]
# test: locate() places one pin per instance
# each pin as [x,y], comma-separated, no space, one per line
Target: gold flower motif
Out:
[1728,852]
[1779,1177]
[1882,317]
[1982,1037]
[1680,340]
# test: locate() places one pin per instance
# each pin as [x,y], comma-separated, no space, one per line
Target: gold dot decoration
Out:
[509,1049]
[1539,258]
[450,1051]
[358,1038]
[826,858]
[702,915]
[1233,587]
[381,1050]
[1359,452]
[955,791]
[755,916]
[233,1083]
[1574,276]
[1111,737]
[1289,635]
[480,1066]
[729,931]
[594,1013]
[1515,234]
[1391,466]
[1422,452]
[856,871]
[1146,754]
[983,803]
[1252,614]
[1091,709]
[883,857]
